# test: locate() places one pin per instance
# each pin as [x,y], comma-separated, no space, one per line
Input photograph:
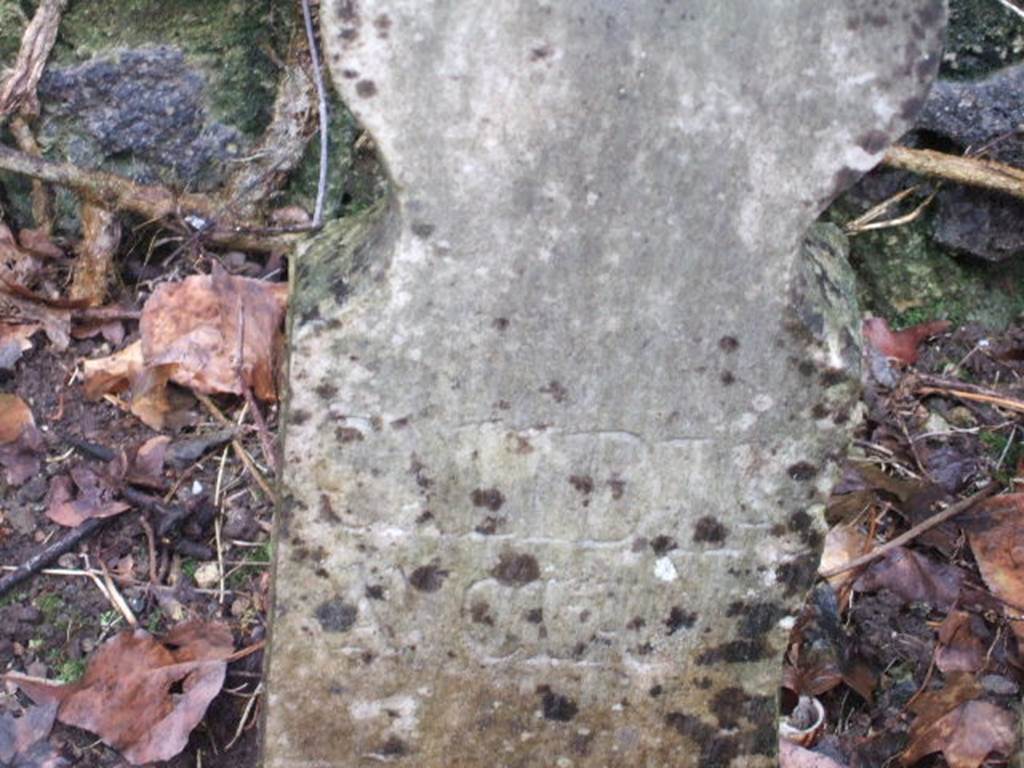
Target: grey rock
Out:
[975,114]
[143,108]
[562,412]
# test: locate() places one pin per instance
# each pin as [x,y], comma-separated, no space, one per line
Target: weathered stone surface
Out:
[563,410]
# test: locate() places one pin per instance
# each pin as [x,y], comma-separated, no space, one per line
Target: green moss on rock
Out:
[908,278]
[12,23]
[982,36]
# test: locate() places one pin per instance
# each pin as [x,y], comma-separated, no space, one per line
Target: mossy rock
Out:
[234,48]
[982,36]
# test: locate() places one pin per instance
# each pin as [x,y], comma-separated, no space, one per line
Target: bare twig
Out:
[971,171]
[153,202]
[19,90]
[934,385]
[321,94]
[50,553]
[950,512]
[1011,7]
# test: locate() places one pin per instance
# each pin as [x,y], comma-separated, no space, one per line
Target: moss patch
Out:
[982,36]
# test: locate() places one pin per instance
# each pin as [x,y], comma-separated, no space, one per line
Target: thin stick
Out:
[1010,404]
[48,555]
[1011,7]
[946,514]
[237,446]
[321,95]
[971,171]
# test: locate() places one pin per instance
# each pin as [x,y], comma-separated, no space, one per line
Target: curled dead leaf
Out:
[125,696]
[199,326]
[965,735]
[125,372]
[996,537]
[900,345]
[90,498]
[914,577]
[21,444]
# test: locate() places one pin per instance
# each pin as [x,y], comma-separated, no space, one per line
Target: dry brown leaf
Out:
[22,739]
[194,327]
[843,543]
[147,464]
[125,695]
[900,345]
[14,341]
[966,735]
[793,756]
[21,444]
[93,498]
[960,649]
[914,577]
[996,536]
[125,372]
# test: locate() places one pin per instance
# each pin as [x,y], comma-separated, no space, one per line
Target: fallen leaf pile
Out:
[915,655]
[126,696]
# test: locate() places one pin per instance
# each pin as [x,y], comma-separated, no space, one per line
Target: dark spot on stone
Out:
[401,423]
[349,74]
[480,612]
[644,650]
[679,619]
[655,691]
[422,229]
[708,529]
[558,707]
[582,483]
[639,544]
[840,417]
[729,705]
[522,445]
[348,435]
[636,623]
[819,411]
[778,530]
[757,618]
[298,416]
[349,34]
[336,615]
[703,683]
[424,517]
[366,88]
[348,10]
[663,544]
[322,573]
[375,591]
[418,470]
[689,726]
[618,488]
[393,747]
[734,652]
[728,344]
[584,617]
[428,578]
[556,390]
[503,405]
[798,574]
[873,141]
[500,323]
[535,615]
[515,570]
[802,471]
[327,513]
[540,52]
[382,24]
[326,390]
[727,378]
[831,377]
[489,526]
[490,498]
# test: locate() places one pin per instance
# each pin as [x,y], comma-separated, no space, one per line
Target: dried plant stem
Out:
[321,94]
[18,93]
[50,553]
[971,171]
